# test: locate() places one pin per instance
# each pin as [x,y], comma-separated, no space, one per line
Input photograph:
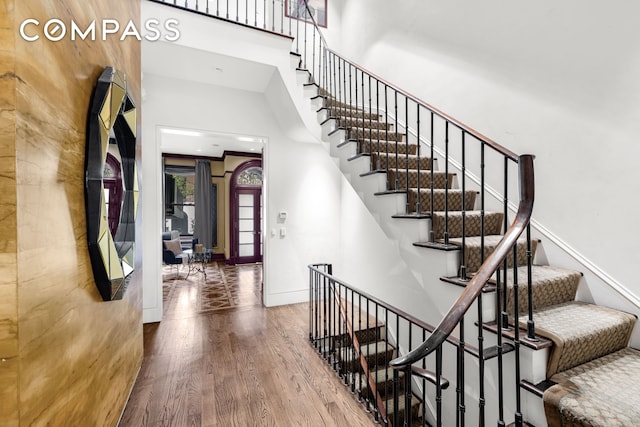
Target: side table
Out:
[198,261]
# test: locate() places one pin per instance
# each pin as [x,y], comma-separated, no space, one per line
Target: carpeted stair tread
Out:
[473,223]
[367,146]
[440,179]
[353,113]
[415,407]
[454,202]
[581,332]
[354,122]
[384,161]
[377,354]
[550,286]
[602,393]
[374,134]
[473,250]
[383,378]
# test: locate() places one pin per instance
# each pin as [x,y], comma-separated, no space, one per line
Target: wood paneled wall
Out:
[68,358]
[8,225]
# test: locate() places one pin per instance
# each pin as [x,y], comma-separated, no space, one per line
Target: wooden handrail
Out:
[491,143]
[468,348]
[484,274]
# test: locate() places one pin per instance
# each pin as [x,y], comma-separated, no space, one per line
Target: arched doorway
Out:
[246,213]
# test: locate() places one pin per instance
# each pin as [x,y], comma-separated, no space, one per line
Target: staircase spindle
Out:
[406,152]
[531,328]
[481,360]
[499,349]
[306,11]
[395,126]
[418,203]
[505,315]
[463,258]
[516,337]
[446,183]
[431,193]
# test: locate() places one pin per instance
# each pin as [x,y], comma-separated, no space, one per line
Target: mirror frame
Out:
[112,119]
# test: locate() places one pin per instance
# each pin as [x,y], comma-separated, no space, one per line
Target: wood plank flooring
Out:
[242,366]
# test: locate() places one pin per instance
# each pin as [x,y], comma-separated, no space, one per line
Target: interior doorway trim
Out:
[254,234]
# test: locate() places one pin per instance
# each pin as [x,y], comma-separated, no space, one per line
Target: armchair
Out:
[171,250]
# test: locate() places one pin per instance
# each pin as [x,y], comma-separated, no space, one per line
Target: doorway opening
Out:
[245,198]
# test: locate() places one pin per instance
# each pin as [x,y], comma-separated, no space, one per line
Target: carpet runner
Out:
[583,335]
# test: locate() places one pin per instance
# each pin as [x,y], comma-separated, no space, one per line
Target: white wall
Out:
[558,80]
[298,175]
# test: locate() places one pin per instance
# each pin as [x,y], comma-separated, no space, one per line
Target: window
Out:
[179,198]
[250,176]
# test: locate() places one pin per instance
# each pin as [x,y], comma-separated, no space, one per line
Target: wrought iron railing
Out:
[343,324]
[371,112]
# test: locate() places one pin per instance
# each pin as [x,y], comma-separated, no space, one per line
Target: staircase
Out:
[393,151]
[583,338]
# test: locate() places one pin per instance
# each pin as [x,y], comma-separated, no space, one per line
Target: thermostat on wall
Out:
[282,215]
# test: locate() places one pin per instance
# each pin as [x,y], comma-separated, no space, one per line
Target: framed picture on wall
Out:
[316,8]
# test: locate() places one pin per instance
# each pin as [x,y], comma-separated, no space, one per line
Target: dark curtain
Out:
[205,214]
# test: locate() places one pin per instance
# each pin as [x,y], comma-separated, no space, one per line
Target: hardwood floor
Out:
[247,365]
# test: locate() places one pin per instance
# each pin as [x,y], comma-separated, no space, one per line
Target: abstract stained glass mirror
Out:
[111,133]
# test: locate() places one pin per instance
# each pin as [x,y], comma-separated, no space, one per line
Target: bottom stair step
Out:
[603,392]
[581,332]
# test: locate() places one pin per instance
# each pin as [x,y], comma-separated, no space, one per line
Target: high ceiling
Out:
[173,61]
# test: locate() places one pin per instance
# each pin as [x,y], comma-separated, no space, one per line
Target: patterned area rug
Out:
[225,286]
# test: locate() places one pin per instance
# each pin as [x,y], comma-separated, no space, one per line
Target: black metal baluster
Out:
[462,408]
[378,134]
[282,17]
[418,203]
[355,361]
[439,386]
[375,370]
[297,34]
[500,349]
[273,15]
[313,55]
[305,38]
[395,126]
[516,338]
[326,321]
[446,183]
[360,368]
[463,259]
[386,132]
[396,397]
[505,315]
[311,286]
[431,194]
[424,383]
[406,154]
[367,358]
[371,156]
[350,98]
[346,345]
[227,9]
[481,398]
[386,358]
[217,7]
[531,327]
[407,385]
[335,334]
